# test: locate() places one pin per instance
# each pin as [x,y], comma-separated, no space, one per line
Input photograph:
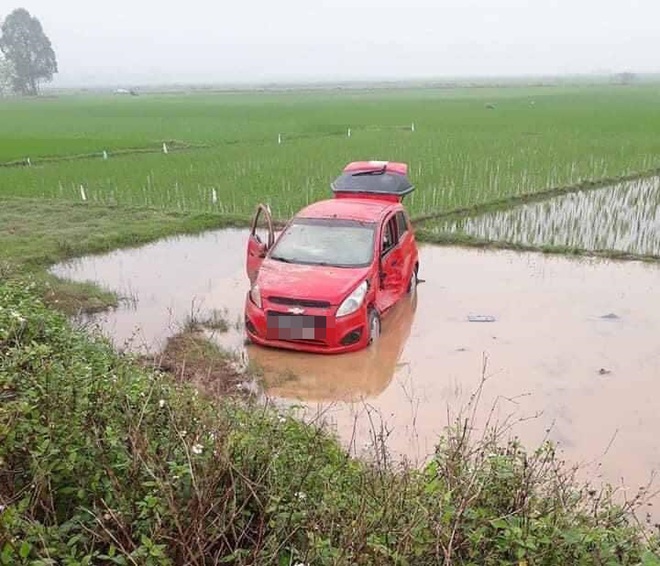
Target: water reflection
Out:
[345,377]
[624,217]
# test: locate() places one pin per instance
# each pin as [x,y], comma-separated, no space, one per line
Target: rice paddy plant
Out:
[623,218]
[460,153]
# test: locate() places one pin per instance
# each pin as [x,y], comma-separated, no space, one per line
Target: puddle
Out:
[574,342]
[624,217]
[164,283]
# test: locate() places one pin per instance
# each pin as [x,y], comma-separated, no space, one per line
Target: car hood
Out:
[318,282]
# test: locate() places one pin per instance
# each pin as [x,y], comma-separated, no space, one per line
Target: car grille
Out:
[309,303]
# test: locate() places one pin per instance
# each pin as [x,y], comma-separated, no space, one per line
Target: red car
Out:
[337,267]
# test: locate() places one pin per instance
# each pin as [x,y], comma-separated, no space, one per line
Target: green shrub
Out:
[103,462]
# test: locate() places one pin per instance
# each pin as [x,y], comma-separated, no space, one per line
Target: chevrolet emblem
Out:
[296,310]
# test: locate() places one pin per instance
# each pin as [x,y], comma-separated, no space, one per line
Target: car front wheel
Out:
[374,326]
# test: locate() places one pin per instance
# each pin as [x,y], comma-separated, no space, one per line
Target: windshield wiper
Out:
[280,258]
[328,264]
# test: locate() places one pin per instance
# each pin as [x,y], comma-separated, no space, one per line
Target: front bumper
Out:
[346,334]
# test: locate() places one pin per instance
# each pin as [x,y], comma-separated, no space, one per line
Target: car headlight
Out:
[354,301]
[255,295]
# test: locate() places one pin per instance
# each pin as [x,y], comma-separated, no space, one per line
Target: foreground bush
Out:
[102,462]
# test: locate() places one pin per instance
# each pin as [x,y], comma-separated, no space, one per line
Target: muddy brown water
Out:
[573,352]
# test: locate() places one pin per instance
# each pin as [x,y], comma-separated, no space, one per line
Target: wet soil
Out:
[192,358]
[571,347]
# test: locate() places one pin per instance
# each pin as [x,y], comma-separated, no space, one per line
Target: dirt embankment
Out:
[192,358]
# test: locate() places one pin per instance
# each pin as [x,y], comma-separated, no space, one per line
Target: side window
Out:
[389,235]
[401,222]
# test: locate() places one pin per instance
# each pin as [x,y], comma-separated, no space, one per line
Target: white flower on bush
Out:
[300,495]
[17,316]
[197,448]
[161,403]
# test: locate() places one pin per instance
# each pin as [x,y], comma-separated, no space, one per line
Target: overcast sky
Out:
[142,41]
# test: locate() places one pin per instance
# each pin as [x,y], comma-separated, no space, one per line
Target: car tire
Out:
[412,284]
[373,326]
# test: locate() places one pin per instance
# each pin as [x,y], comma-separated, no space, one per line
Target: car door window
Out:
[262,226]
[402,223]
[389,236]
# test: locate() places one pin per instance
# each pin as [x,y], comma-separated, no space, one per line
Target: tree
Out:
[626,78]
[28,50]
[6,77]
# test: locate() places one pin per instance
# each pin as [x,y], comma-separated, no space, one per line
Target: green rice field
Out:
[468,147]
[623,218]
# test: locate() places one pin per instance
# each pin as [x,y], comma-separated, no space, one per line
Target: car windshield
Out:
[331,241]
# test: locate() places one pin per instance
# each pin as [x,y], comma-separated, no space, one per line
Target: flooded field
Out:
[572,347]
[624,217]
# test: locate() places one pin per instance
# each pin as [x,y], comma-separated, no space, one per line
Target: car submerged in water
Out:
[338,266]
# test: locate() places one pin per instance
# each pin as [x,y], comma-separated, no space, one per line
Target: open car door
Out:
[261,239]
[391,266]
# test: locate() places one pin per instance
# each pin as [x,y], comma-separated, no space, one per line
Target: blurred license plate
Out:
[296,327]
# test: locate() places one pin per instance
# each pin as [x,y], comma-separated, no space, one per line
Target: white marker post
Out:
[214,196]
[412,127]
[29,162]
[105,154]
[164,148]
[349,133]
[82,193]
[279,139]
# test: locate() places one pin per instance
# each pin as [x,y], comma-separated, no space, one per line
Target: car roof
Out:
[361,209]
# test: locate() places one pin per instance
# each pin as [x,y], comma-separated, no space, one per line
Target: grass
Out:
[214,320]
[35,233]
[461,154]
[105,461]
